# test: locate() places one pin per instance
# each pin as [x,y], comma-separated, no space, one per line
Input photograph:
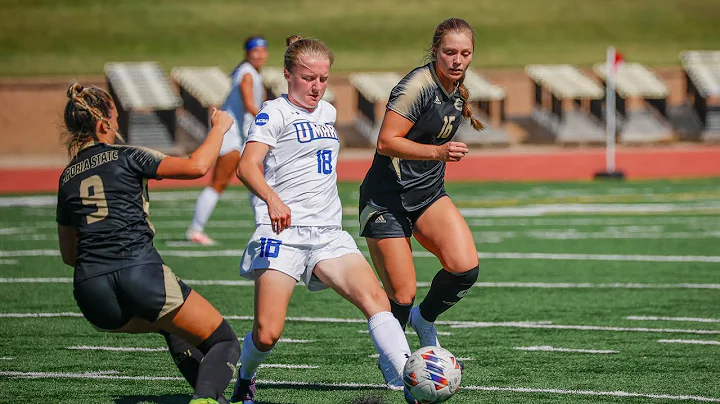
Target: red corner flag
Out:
[619,61]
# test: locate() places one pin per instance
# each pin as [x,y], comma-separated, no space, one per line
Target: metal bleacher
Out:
[634,83]
[489,99]
[200,89]
[146,103]
[275,83]
[567,103]
[373,91]
[702,77]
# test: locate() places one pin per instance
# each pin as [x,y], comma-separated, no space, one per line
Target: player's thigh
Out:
[352,278]
[393,261]
[273,290]
[442,230]
[225,169]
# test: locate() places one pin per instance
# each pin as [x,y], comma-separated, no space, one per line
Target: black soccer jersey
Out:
[103,194]
[411,184]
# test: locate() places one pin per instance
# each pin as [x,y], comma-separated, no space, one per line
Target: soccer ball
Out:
[432,375]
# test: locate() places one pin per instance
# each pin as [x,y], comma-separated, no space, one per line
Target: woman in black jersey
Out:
[403,193]
[120,281]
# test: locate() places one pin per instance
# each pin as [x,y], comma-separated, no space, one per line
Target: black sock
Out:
[401,312]
[446,290]
[186,357]
[222,352]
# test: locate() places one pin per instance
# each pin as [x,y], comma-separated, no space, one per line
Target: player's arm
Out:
[67,237]
[393,143]
[203,158]
[251,172]
[246,91]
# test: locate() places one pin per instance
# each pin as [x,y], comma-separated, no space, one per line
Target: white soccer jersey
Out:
[234,105]
[300,165]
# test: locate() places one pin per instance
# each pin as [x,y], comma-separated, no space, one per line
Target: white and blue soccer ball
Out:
[432,375]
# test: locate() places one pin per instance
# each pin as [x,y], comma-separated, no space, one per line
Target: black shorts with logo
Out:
[147,291]
[377,221]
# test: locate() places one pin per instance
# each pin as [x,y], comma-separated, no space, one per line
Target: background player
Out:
[289,163]
[247,94]
[120,281]
[403,193]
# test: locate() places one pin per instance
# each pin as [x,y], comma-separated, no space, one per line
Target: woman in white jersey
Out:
[246,95]
[289,163]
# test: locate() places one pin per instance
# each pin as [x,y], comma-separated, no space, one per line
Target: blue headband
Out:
[254,43]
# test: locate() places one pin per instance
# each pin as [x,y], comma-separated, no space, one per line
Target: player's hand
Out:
[221,119]
[279,214]
[452,151]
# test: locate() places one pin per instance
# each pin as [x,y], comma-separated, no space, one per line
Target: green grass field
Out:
[627,272]
[44,37]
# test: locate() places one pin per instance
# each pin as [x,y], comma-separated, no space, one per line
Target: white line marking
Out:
[35,315]
[579,327]
[375,356]
[689,341]
[453,324]
[554,349]
[115,348]
[408,332]
[8,262]
[281,366]
[6,358]
[541,210]
[688,319]
[100,375]
[425,254]
[539,285]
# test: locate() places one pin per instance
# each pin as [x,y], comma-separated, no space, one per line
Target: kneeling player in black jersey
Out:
[121,283]
[403,193]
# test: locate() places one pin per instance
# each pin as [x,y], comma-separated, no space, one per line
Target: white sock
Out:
[389,339]
[250,358]
[204,208]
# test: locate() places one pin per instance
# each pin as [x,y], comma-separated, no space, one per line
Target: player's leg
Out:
[157,295]
[273,290]
[442,230]
[388,238]
[341,267]
[206,202]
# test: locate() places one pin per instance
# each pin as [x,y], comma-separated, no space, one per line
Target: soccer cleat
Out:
[244,392]
[199,237]
[408,397]
[424,329]
[393,380]
[203,401]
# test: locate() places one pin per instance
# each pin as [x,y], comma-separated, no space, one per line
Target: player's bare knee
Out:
[458,265]
[405,296]
[266,338]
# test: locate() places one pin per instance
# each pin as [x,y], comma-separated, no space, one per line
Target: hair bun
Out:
[292,39]
[74,89]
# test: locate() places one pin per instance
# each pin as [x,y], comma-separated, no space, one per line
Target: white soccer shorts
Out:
[234,139]
[295,251]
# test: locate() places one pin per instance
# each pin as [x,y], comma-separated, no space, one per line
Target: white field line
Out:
[465,359]
[607,208]
[452,324]
[6,358]
[687,319]
[408,332]
[689,341]
[281,366]
[425,254]
[115,348]
[536,285]
[554,349]
[579,327]
[105,376]
[39,315]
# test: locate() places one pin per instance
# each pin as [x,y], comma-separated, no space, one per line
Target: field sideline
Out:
[589,292]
